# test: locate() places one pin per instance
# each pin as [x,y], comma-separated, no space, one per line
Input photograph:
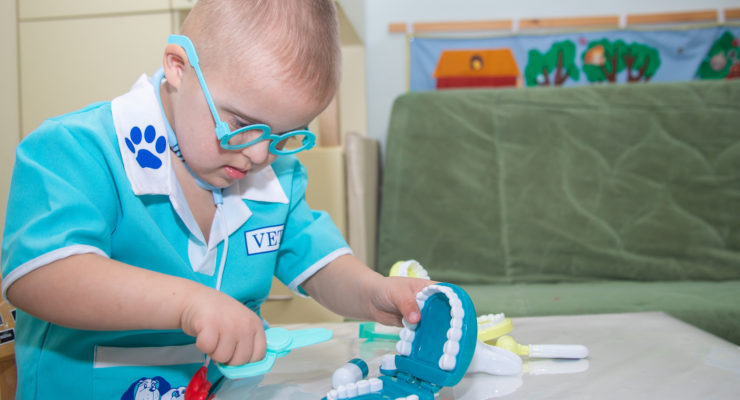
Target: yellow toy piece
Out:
[408,268]
[493,326]
[507,342]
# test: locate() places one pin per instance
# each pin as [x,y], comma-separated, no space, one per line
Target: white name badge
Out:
[263,240]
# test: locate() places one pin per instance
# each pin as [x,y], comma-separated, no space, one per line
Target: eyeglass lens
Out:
[249,137]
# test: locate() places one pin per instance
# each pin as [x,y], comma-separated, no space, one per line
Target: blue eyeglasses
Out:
[250,134]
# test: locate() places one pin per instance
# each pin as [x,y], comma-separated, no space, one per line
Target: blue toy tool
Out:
[280,342]
[433,354]
[369,332]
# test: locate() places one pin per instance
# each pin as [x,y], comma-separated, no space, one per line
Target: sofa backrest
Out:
[635,182]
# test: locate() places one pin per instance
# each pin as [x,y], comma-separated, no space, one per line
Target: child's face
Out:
[240,100]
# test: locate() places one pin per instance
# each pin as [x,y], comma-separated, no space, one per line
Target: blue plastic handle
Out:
[280,342]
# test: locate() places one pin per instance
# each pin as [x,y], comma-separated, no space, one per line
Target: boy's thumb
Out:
[410,309]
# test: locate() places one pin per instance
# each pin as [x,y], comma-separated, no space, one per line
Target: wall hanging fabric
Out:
[577,58]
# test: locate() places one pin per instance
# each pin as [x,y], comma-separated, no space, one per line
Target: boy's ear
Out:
[175,62]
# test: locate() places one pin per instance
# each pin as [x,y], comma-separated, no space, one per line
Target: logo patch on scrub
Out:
[263,240]
[147,158]
[156,388]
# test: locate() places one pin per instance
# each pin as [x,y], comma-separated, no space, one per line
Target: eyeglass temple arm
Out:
[187,45]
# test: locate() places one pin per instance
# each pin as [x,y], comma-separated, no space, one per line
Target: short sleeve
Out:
[310,241]
[62,199]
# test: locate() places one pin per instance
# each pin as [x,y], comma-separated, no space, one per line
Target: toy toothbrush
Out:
[542,350]
[495,327]
[432,354]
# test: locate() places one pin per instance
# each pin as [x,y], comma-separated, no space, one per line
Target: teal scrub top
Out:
[100,181]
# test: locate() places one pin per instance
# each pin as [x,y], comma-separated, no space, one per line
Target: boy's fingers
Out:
[225,350]
[408,306]
[259,346]
[242,353]
[207,341]
[388,319]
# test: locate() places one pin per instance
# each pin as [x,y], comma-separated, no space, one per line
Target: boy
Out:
[128,261]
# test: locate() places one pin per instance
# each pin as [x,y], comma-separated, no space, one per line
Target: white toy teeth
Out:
[352,390]
[447,361]
[490,320]
[388,363]
[492,326]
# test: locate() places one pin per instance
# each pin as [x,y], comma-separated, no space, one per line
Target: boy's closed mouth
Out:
[235,173]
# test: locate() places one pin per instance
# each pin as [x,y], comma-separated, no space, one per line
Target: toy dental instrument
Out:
[280,342]
[408,268]
[492,326]
[369,331]
[543,350]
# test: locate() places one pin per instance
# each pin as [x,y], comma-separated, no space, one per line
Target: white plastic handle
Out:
[557,351]
[494,360]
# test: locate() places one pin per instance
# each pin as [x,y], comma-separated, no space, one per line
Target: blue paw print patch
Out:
[146,156]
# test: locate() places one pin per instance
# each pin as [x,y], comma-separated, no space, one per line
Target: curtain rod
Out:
[621,21]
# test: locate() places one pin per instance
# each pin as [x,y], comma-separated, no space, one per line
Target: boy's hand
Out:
[396,299]
[225,329]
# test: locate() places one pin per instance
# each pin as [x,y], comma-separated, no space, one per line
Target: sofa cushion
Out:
[711,306]
[635,182]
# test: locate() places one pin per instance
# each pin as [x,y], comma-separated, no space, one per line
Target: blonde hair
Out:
[296,40]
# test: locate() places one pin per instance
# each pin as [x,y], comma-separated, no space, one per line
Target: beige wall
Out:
[9,111]
[352,110]
[64,67]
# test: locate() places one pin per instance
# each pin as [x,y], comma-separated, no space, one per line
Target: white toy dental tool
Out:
[573,351]
[494,360]
[493,329]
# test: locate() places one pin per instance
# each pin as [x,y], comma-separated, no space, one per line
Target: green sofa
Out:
[547,201]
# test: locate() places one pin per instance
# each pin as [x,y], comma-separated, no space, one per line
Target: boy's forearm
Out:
[344,286]
[88,291]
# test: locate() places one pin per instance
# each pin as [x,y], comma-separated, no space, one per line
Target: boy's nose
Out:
[258,152]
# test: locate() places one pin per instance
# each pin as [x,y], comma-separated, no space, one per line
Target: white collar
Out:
[140,125]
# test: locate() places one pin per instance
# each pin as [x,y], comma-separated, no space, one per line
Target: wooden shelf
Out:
[732,13]
[563,22]
[577,22]
[669,18]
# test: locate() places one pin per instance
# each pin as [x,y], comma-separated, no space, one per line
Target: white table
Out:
[632,356]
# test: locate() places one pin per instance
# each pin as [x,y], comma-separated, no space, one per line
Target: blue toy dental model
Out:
[432,354]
